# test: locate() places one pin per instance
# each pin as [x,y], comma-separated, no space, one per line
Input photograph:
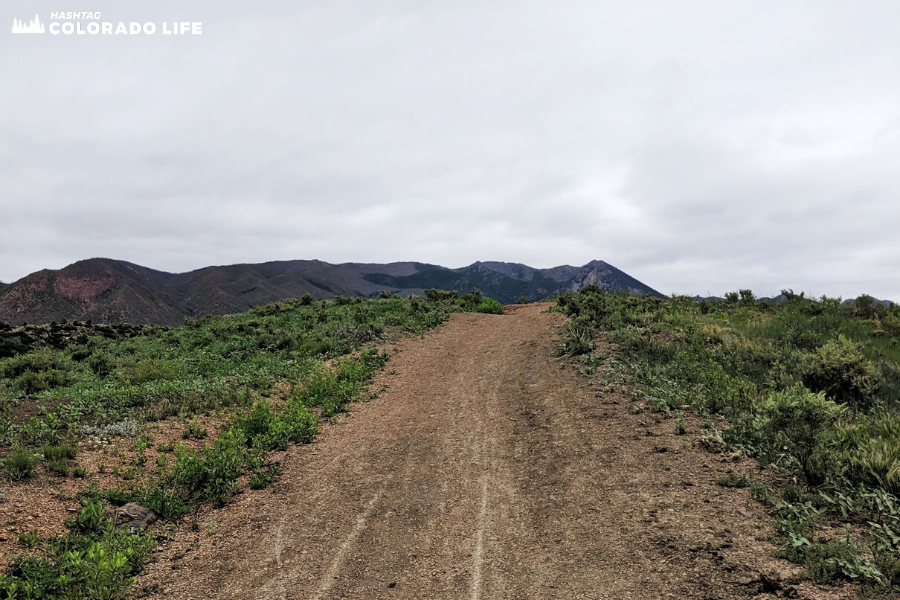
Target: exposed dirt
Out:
[487,469]
[45,500]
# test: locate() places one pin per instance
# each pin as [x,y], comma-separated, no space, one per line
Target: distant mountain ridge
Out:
[114,291]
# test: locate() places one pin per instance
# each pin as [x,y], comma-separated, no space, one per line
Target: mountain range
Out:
[114,291]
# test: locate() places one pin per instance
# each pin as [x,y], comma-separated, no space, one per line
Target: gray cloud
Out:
[700,146]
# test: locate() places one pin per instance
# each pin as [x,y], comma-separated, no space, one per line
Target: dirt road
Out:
[487,469]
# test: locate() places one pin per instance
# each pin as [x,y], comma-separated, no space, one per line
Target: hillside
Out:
[112,291]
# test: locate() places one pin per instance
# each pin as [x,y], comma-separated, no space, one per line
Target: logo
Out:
[81,23]
[34,27]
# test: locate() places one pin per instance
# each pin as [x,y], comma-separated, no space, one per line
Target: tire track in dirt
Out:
[332,573]
[488,469]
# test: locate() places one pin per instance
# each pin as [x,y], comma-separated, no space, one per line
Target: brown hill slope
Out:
[100,289]
[113,291]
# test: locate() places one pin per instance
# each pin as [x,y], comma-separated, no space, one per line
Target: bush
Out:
[489,306]
[262,477]
[842,371]
[91,518]
[441,295]
[871,452]
[334,390]
[868,307]
[19,463]
[142,370]
[66,451]
[522,300]
[577,340]
[793,422]
[194,430]
[30,539]
[211,475]
[268,430]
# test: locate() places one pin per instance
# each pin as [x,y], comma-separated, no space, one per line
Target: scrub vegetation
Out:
[809,387]
[269,375]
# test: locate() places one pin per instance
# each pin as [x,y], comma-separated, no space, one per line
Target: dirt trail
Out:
[488,469]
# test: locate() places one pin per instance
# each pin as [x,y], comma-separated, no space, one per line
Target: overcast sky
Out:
[700,146]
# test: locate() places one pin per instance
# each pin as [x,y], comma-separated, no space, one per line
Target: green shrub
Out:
[871,451]
[194,430]
[734,480]
[19,463]
[842,371]
[577,340]
[268,430]
[38,361]
[58,457]
[522,300]
[793,422]
[91,518]
[489,306]
[65,451]
[836,560]
[79,567]
[101,363]
[136,370]
[262,477]
[31,538]
[441,295]
[211,475]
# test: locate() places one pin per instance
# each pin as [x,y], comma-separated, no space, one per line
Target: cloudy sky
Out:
[701,146]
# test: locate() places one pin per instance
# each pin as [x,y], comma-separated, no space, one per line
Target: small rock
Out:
[135,516]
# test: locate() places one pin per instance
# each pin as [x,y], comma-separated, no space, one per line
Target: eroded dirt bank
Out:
[487,469]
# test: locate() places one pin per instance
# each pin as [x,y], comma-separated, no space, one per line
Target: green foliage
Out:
[811,386]
[734,480]
[870,451]
[489,306]
[30,539]
[333,389]
[91,518]
[262,477]
[194,430]
[19,462]
[522,300]
[211,474]
[475,302]
[65,451]
[136,369]
[209,363]
[577,340]
[441,295]
[841,369]
[792,424]
[92,562]
[267,430]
